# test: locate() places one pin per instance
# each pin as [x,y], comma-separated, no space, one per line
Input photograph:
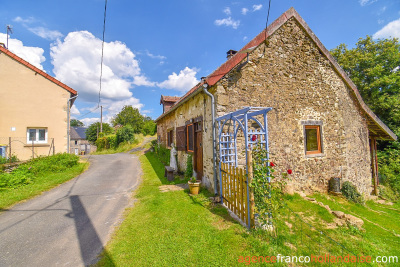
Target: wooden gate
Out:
[234,192]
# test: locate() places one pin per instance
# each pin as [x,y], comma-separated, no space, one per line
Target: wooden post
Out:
[54,149]
[33,150]
[374,165]
[251,192]
[9,145]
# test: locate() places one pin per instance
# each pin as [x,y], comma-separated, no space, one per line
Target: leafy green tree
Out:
[374,67]
[91,131]
[125,134]
[76,123]
[129,116]
[149,126]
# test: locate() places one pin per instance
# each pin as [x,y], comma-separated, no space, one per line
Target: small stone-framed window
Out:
[313,145]
[170,137]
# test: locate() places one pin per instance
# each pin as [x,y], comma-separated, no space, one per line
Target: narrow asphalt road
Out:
[70,225]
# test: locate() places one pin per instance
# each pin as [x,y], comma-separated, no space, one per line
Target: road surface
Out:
[70,225]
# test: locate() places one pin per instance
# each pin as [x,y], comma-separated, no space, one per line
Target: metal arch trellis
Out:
[228,140]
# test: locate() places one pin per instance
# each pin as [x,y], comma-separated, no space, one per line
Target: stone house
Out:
[34,109]
[319,126]
[79,144]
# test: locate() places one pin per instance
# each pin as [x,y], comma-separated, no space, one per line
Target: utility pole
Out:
[101,119]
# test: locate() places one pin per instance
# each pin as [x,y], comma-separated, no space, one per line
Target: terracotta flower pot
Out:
[194,188]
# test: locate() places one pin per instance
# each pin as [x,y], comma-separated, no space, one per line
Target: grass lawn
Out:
[43,182]
[176,229]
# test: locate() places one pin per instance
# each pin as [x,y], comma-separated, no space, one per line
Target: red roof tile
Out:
[35,69]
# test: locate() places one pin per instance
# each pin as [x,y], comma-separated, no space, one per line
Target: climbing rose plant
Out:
[267,196]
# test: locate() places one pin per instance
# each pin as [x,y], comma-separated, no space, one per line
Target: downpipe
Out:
[205,86]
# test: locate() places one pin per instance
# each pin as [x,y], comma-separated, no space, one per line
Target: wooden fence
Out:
[234,192]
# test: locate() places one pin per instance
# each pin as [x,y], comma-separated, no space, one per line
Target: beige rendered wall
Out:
[27,99]
[298,82]
[199,105]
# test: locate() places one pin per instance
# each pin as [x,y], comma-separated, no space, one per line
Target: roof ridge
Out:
[231,63]
[37,70]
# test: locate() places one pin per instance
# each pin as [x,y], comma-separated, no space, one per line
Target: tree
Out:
[149,126]
[129,116]
[76,123]
[125,134]
[91,131]
[374,67]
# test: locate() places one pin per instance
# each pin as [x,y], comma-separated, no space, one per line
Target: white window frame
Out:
[36,141]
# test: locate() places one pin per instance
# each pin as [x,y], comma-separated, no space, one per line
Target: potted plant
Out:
[194,186]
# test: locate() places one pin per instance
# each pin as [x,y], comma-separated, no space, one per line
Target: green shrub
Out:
[125,134]
[26,173]
[351,193]
[163,153]
[389,168]
[107,142]
[386,192]
[189,167]
[5,160]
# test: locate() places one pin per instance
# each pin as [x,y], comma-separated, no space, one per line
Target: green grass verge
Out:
[43,182]
[176,229]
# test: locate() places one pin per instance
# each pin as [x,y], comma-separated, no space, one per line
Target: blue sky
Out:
[164,47]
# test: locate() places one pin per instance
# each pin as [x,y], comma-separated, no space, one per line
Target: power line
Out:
[102,51]
[266,24]
[84,115]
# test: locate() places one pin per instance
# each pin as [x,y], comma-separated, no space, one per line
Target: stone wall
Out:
[198,105]
[292,76]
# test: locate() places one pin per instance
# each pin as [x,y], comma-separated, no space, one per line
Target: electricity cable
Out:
[102,51]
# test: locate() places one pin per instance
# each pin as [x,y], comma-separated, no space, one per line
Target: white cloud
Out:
[366,2]
[39,31]
[33,55]
[161,58]
[245,39]
[155,56]
[46,33]
[142,81]
[227,11]
[26,21]
[88,121]
[392,29]
[228,22]
[114,107]
[182,82]
[257,7]
[382,10]
[77,61]
[245,10]
[110,109]
[380,21]
[75,110]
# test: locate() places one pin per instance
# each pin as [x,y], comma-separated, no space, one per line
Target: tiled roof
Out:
[376,127]
[78,133]
[35,69]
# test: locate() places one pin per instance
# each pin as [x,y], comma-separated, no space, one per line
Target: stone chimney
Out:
[230,53]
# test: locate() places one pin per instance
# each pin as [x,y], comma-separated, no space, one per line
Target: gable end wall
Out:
[298,82]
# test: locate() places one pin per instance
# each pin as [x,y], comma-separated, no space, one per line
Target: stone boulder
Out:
[354,221]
